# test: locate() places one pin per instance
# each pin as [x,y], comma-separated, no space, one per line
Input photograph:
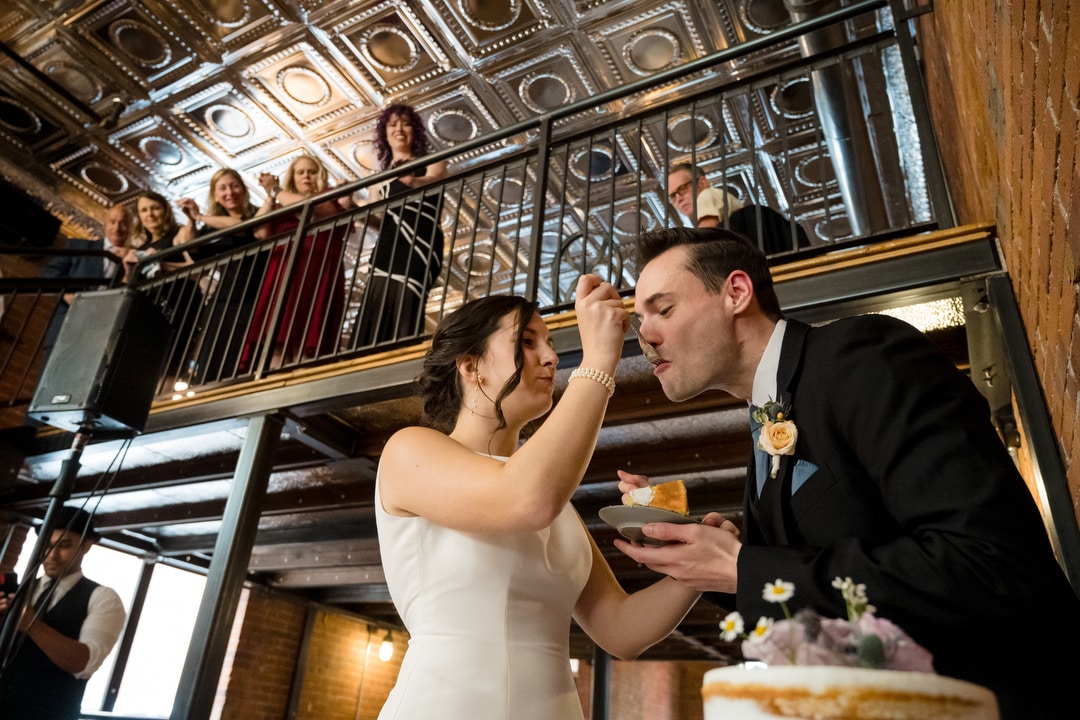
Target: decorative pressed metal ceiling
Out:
[103,98]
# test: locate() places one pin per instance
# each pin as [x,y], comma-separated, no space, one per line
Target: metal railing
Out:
[567,193]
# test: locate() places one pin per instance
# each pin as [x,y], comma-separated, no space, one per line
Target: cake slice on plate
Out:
[669,496]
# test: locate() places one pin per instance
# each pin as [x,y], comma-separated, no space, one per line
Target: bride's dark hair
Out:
[466,332]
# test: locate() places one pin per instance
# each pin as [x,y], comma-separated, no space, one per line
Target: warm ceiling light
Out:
[935,315]
[386,650]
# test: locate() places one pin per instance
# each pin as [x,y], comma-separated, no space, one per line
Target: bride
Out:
[484,555]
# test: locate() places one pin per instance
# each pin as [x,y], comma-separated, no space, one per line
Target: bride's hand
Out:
[602,323]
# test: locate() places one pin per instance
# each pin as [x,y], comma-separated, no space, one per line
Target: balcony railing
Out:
[820,130]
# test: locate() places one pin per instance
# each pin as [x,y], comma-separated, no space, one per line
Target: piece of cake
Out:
[665,496]
[841,693]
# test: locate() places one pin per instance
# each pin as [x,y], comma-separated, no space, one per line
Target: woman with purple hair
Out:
[408,253]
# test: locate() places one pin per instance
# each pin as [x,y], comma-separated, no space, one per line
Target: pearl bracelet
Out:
[598,375]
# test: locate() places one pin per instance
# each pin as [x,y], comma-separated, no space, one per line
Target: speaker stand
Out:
[58,495]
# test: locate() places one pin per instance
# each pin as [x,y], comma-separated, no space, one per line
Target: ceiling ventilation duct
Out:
[838,100]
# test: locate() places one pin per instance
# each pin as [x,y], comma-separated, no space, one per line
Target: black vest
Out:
[31,686]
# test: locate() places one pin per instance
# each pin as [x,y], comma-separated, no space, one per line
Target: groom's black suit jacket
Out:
[914,495]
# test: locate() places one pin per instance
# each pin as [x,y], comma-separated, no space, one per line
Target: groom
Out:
[897,480]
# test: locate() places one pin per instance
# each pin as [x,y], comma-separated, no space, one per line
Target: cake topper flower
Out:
[861,639]
[778,434]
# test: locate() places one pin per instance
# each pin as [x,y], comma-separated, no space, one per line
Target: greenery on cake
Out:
[806,638]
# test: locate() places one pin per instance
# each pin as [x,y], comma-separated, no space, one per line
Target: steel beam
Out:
[228,570]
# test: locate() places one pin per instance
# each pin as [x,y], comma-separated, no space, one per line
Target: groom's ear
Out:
[740,290]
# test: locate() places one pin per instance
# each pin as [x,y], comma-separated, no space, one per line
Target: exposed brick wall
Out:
[1004,88]
[380,676]
[649,690]
[257,675]
[334,668]
[339,660]
[341,668]
[342,659]
[645,690]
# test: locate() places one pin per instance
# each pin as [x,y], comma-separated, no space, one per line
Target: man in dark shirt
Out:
[118,223]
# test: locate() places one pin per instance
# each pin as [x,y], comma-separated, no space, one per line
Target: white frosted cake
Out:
[841,693]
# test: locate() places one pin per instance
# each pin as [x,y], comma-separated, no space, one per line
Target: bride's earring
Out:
[476,394]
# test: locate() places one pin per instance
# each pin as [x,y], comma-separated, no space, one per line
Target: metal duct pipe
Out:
[843,122]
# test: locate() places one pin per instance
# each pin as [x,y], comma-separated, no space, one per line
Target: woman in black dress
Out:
[408,253]
[156,230]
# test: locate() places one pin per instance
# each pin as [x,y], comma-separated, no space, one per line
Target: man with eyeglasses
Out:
[768,229]
[687,183]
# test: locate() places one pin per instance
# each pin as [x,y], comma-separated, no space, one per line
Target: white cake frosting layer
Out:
[841,693]
[642,495]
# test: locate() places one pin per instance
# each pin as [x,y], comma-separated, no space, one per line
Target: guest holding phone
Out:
[67,629]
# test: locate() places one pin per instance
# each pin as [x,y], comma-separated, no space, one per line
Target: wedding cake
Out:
[860,667]
[841,693]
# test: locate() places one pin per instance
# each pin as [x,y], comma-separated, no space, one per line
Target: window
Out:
[161,643]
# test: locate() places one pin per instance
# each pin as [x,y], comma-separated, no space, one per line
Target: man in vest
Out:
[67,629]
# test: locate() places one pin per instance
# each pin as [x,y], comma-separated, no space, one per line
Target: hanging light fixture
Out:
[386,650]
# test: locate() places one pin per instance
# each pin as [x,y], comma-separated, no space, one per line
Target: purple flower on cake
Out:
[860,640]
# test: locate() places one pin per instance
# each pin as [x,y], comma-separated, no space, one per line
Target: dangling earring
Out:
[476,394]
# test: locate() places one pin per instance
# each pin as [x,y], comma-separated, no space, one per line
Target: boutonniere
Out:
[778,433]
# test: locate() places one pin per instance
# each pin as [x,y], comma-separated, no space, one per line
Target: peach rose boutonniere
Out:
[778,434]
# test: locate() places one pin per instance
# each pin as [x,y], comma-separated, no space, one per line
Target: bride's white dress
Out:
[488,616]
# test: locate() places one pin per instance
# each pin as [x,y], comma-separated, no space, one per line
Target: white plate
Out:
[628,519]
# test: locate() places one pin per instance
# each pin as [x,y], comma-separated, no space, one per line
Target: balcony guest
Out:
[898,479]
[691,194]
[314,288]
[118,223]
[408,254]
[228,204]
[231,300]
[156,230]
[66,631]
[485,558]
[714,207]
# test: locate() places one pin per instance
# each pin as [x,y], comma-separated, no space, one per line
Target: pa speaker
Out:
[105,365]
[30,225]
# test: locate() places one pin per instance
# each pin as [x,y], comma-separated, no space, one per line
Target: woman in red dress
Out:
[313,287]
